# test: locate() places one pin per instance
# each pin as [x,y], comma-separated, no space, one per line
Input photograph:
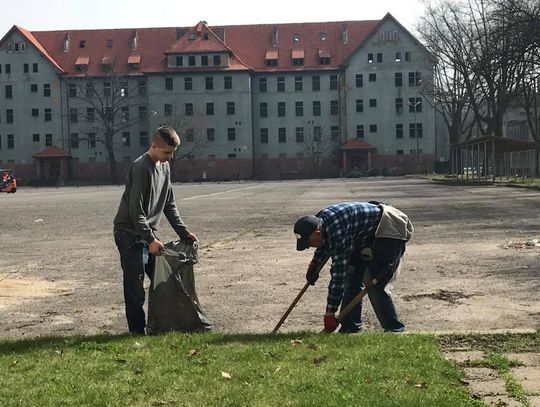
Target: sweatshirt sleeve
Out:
[140,182]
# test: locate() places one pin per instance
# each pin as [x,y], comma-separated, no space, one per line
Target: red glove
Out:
[330,323]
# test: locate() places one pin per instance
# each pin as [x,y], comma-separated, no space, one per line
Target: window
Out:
[74,140]
[379,57]
[334,107]
[46,90]
[282,135]
[89,89]
[47,114]
[263,109]
[334,132]
[35,112]
[227,82]
[210,109]
[281,84]
[231,156]
[72,90]
[399,152]
[167,111]
[204,60]
[370,58]
[107,88]
[398,56]
[230,108]
[190,135]
[217,60]
[322,36]
[124,113]
[399,105]
[9,92]
[33,88]
[8,70]
[48,140]
[373,128]
[373,77]
[35,137]
[231,134]
[10,141]
[141,87]
[372,102]
[264,135]
[359,105]
[188,109]
[299,109]
[209,82]
[298,83]
[124,89]
[316,82]
[317,133]
[359,80]
[142,112]
[9,115]
[299,134]
[143,138]
[415,105]
[415,131]
[34,67]
[316,108]
[26,68]
[414,78]
[210,134]
[263,86]
[191,60]
[109,43]
[126,139]
[188,83]
[73,115]
[90,114]
[281,109]
[398,79]
[359,131]
[91,140]
[179,60]
[168,83]
[399,130]
[333,82]
[407,56]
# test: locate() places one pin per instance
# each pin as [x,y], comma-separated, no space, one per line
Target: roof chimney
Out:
[66,43]
[344,34]
[275,36]
[134,40]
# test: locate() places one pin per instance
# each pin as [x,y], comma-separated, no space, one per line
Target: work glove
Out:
[330,323]
[312,274]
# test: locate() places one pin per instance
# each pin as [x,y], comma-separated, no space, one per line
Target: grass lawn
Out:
[302,369]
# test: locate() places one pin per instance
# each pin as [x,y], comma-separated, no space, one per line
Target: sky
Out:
[40,15]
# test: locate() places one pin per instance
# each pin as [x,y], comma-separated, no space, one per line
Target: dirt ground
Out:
[468,266]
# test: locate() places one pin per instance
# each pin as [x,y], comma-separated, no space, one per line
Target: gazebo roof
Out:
[52,152]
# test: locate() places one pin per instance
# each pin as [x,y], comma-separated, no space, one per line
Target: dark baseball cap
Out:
[303,228]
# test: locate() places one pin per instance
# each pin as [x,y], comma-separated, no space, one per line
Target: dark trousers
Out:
[130,248]
[387,254]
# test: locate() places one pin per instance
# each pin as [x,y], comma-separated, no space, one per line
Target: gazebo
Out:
[52,165]
[357,155]
[483,159]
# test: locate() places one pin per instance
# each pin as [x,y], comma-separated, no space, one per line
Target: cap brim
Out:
[302,244]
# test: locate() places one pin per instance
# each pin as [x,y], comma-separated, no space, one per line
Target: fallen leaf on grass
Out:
[421,385]
[193,352]
[319,359]
[312,346]
[226,375]
[295,342]
[59,352]
[368,380]
[277,369]
[138,344]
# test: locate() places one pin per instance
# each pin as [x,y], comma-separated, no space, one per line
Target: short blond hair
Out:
[166,135]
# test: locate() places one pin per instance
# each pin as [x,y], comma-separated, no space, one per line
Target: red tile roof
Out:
[357,145]
[248,45]
[52,152]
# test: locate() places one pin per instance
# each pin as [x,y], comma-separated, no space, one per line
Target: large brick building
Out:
[251,101]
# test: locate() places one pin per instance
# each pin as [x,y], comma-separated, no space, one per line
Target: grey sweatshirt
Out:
[148,194]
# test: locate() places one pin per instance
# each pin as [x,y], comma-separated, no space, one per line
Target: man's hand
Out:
[330,322]
[191,236]
[312,274]
[156,247]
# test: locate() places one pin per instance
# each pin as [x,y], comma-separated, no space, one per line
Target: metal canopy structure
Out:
[483,159]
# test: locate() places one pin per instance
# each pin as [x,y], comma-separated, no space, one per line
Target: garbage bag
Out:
[172,300]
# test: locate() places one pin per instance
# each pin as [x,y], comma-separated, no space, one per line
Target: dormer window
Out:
[296,37]
[204,60]
[179,60]
[271,57]
[205,36]
[217,60]
[81,63]
[191,36]
[324,56]
[82,43]
[322,36]
[134,61]
[107,63]
[298,56]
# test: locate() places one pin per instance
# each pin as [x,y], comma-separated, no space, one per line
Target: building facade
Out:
[254,101]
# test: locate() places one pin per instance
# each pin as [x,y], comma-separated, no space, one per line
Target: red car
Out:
[8,183]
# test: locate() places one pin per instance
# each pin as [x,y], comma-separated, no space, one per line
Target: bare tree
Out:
[319,145]
[112,107]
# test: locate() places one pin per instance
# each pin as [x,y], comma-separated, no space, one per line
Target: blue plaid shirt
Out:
[346,226]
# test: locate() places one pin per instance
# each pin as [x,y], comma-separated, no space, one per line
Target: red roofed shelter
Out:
[52,165]
[357,155]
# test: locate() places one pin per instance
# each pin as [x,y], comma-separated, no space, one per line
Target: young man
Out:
[366,240]
[148,194]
